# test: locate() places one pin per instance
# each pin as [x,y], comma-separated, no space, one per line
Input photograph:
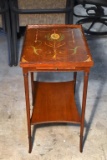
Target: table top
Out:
[55,47]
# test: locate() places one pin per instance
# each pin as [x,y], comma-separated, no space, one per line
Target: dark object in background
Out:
[94,15]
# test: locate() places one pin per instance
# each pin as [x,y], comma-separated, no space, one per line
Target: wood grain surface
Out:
[55,46]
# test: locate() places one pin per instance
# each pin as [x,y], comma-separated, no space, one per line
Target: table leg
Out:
[86,74]
[75,77]
[26,85]
[32,87]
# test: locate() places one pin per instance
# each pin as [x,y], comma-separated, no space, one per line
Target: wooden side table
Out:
[55,48]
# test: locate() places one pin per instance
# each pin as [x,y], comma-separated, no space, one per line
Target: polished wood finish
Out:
[86,74]
[55,48]
[54,102]
[26,84]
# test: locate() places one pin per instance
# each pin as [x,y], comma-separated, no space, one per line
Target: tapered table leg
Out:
[75,77]
[32,86]
[26,84]
[83,109]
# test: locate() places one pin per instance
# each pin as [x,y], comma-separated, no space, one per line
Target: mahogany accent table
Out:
[55,48]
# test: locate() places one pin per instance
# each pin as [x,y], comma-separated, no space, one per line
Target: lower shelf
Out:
[54,102]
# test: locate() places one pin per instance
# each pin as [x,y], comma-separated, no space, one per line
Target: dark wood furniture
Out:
[6,25]
[15,10]
[55,48]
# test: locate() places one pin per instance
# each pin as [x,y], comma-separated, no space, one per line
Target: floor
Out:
[54,142]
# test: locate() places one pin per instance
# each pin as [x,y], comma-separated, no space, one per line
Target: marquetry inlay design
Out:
[57,44]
